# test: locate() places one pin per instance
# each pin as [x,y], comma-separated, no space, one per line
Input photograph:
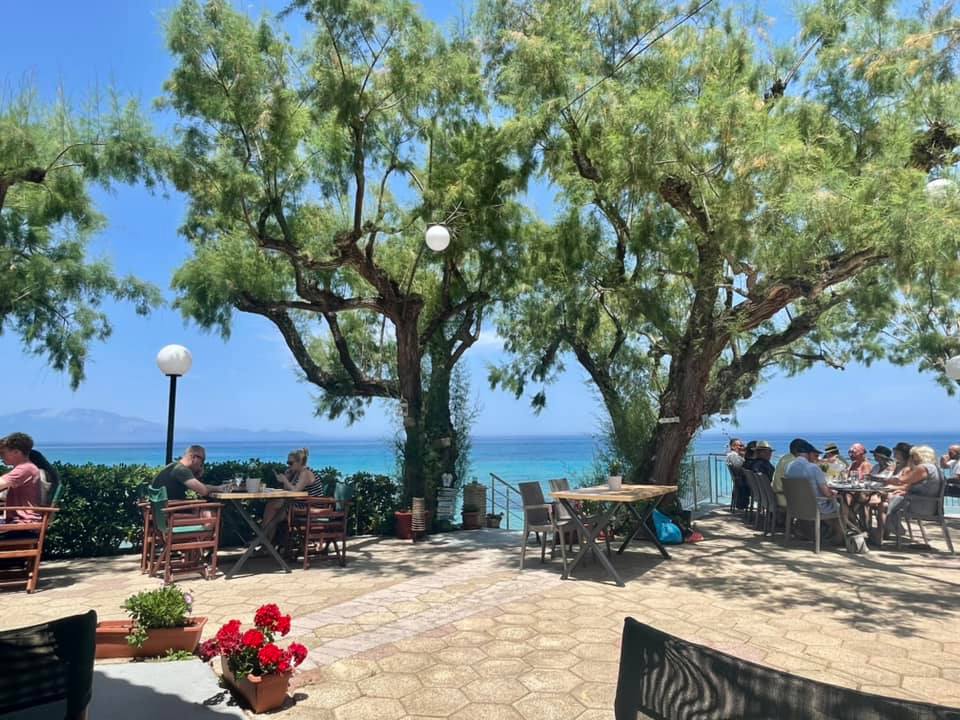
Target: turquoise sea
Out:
[513,458]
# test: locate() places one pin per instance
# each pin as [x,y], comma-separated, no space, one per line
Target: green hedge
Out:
[99,514]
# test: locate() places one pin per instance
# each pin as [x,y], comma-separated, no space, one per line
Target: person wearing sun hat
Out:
[831,463]
[762,452]
[883,462]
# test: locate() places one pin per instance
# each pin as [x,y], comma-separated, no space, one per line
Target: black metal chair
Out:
[665,678]
[49,668]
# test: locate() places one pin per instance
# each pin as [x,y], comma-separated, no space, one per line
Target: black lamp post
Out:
[174,361]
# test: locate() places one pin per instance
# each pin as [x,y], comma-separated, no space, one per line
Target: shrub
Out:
[375,499]
[165,607]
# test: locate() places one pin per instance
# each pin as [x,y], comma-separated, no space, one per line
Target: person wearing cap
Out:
[860,467]
[806,467]
[762,452]
[882,462]
[831,462]
[782,465]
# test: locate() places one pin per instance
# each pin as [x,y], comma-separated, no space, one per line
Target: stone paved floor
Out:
[449,628]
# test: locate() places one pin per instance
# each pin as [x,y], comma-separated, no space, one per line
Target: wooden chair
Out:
[21,547]
[317,523]
[49,668]
[181,533]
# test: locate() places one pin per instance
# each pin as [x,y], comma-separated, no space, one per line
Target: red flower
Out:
[284,665]
[269,655]
[252,639]
[282,625]
[228,637]
[208,650]
[299,652]
[267,616]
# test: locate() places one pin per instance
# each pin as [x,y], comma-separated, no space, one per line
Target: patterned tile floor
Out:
[448,627]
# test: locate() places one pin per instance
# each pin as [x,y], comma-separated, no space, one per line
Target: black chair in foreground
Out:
[665,678]
[48,668]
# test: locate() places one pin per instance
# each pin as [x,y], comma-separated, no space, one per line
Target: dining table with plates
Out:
[860,501]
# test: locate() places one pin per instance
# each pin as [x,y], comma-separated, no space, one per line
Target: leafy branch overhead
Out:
[50,293]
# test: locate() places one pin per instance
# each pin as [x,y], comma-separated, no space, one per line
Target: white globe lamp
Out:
[174,361]
[953,368]
[437,238]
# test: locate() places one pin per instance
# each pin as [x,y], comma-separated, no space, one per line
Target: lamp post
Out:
[174,361]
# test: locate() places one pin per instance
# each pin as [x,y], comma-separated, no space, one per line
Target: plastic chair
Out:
[563,515]
[920,508]
[771,507]
[49,667]
[802,505]
[750,478]
[539,517]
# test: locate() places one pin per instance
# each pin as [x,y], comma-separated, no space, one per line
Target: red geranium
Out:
[253,639]
[253,652]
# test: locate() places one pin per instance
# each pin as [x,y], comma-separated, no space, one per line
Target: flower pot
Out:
[112,642]
[262,692]
[471,520]
[493,521]
[403,524]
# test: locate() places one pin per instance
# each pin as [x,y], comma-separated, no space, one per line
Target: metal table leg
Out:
[588,542]
[261,536]
[641,519]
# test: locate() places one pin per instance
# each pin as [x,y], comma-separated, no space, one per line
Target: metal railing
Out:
[500,496]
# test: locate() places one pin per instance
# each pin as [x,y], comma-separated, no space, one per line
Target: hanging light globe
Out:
[953,368]
[437,238]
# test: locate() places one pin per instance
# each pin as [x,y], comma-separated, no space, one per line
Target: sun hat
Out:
[883,451]
[831,448]
[764,445]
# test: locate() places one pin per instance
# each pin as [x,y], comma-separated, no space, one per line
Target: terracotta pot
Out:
[493,522]
[403,525]
[262,693]
[112,639]
[471,520]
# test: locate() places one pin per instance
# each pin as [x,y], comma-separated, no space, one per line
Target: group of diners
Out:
[911,475]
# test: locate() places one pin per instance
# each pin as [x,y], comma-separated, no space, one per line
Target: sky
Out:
[249,381]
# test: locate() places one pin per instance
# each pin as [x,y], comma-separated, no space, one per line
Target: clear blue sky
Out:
[248,381]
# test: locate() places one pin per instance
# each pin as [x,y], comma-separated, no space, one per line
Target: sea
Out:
[513,458]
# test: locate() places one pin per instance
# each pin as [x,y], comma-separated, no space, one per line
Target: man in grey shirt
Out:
[805,466]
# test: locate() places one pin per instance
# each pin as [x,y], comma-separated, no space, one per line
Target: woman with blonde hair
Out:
[297,477]
[918,486]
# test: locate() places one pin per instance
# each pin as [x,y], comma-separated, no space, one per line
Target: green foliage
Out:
[163,607]
[50,293]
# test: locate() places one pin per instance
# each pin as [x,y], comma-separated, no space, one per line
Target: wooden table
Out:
[261,534]
[613,502]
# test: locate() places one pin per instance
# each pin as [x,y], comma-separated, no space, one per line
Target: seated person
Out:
[883,463]
[760,463]
[182,475]
[831,463]
[297,477]
[860,467]
[918,486]
[948,462]
[806,467]
[777,480]
[901,457]
[22,483]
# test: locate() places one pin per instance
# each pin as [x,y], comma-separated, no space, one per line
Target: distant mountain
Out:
[49,427]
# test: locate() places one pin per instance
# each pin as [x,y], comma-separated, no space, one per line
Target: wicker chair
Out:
[926,509]
[802,505]
[540,517]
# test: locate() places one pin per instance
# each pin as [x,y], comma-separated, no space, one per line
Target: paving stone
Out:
[595,695]
[506,667]
[351,669]
[497,690]
[390,685]
[542,706]
[479,711]
[369,708]
[447,676]
[905,666]
[438,702]
[947,691]
[548,680]
[407,662]
[329,694]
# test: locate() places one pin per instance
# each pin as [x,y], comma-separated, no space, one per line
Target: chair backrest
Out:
[666,678]
[766,491]
[927,507]
[801,502]
[751,479]
[49,663]
[158,503]
[343,494]
[532,495]
[57,494]
[559,485]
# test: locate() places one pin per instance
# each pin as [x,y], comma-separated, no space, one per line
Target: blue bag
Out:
[667,532]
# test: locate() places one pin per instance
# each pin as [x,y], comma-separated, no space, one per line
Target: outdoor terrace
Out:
[447,627]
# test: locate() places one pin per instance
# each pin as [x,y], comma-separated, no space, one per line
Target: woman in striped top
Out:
[297,477]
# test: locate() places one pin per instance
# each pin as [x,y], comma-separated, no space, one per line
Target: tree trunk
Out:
[411,392]
[439,435]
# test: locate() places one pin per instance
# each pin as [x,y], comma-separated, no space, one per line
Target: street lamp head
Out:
[174,360]
[953,368]
[437,238]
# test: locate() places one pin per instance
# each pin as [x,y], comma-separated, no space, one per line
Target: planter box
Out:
[403,524]
[112,639]
[471,520]
[262,693]
[493,522]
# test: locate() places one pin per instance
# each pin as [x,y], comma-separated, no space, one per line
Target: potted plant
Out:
[615,478]
[493,520]
[160,621]
[471,517]
[252,663]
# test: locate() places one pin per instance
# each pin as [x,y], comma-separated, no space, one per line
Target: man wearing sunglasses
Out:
[183,474]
